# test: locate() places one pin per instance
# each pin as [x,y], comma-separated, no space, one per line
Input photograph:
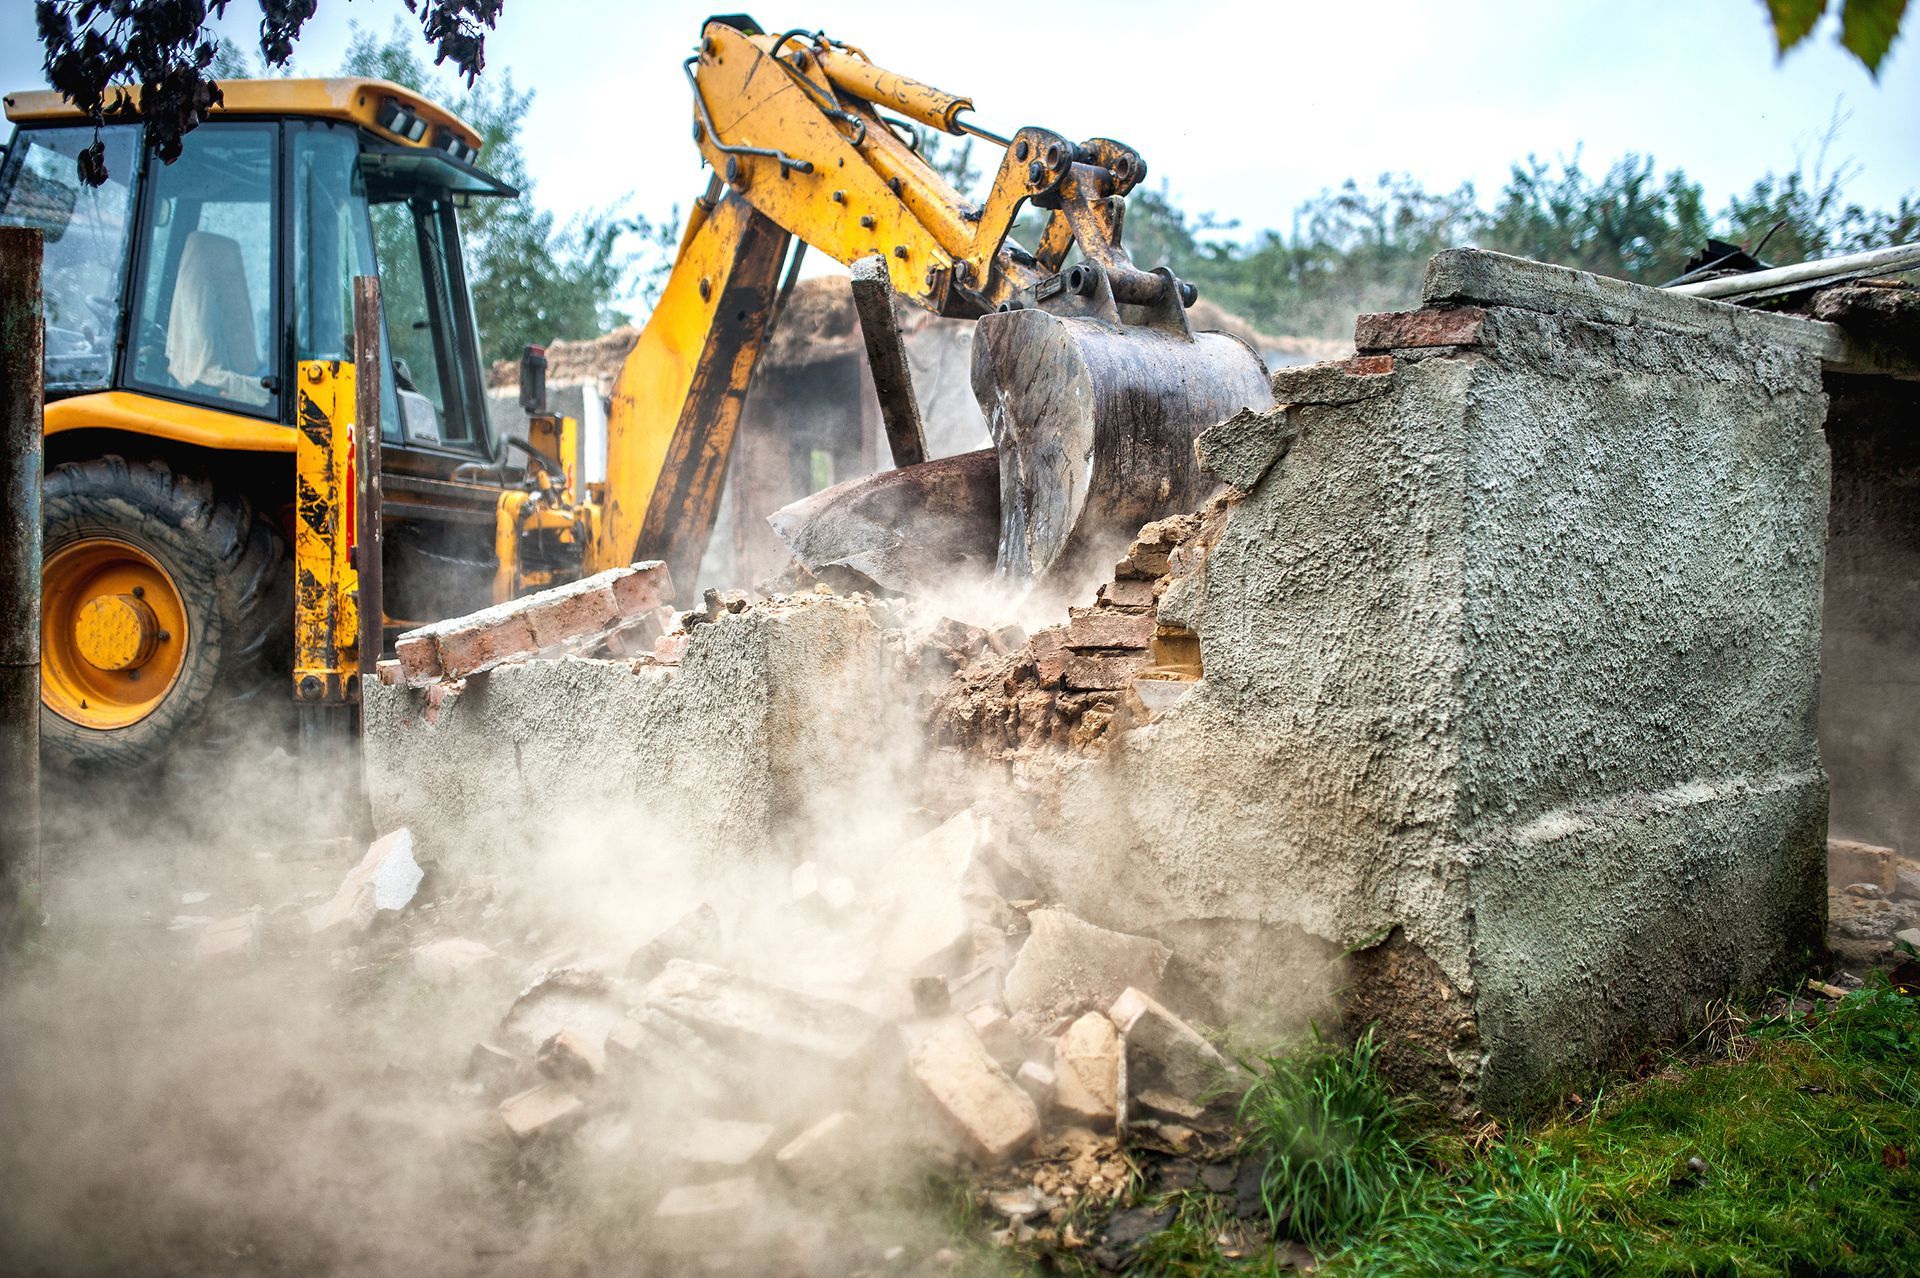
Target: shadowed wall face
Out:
[1870,677]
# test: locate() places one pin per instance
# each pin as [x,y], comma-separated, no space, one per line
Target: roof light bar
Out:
[450,142]
[399,121]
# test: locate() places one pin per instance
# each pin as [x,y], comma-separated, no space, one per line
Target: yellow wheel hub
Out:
[113,633]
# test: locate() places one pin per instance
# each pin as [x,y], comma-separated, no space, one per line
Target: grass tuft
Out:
[1336,1143]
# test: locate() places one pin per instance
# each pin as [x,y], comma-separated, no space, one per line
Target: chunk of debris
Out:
[997,1034]
[749,1014]
[1166,1053]
[1167,1104]
[565,999]
[1908,936]
[701,1217]
[1069,965]
[981,985]
[831,1155]
[695,934]
[720,1144]
[497,1070]
[1089,1069]
[1241,450]
[544,1110]
[991,1113]
[930,996]
[579,613]
[229,939]
[571,1057]
[385,879]
[441,962]
[1037,1080]
[1335,382]
[1850,861]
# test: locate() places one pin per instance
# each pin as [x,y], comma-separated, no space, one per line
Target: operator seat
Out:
[210,339]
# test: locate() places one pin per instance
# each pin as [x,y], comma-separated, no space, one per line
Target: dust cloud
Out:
[314,1107]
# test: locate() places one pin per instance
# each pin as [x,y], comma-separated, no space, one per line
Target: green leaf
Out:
[1867,29]
[1793,19]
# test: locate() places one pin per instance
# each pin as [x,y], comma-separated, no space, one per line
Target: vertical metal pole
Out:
[887,357]
[22,339]
[369,548]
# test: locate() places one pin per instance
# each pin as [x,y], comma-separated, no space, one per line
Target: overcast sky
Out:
[1244,109]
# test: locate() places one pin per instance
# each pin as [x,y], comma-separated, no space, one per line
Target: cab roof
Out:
[366,102]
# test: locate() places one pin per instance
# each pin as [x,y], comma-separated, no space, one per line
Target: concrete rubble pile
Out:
[921,1021]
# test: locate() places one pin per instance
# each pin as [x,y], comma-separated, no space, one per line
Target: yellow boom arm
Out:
[792,126]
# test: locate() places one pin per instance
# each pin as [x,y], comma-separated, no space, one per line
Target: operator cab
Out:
[205,281]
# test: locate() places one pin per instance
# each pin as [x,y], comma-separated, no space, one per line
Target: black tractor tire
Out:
[233,573]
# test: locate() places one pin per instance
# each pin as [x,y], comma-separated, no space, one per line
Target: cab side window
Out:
[204,320]
[85,230]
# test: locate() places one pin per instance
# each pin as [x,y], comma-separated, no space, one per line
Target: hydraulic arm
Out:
[808,138]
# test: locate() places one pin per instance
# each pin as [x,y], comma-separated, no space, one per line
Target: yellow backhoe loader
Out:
[205,480]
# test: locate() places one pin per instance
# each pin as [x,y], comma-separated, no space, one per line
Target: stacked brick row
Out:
[1070,684]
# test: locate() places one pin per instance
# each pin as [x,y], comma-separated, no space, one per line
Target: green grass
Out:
[1336,1143]
[1787,1149]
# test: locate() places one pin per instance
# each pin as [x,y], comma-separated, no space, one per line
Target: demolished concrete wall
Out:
[772,722]
[1511,659]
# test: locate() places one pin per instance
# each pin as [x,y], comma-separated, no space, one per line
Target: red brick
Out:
[1130,595]
[645,588]
[1369,365]
[389,673]
[668,650]
[1110,629]
[583,608]
[1091,672]
[483,641]
[418,660]
[1049,650]
[1449,326]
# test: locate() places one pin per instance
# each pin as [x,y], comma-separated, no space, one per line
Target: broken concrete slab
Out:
[1241,450]
[1090,1073]
[834,1156]
[694,935]
[1069,965]
[756,1017]
[385,879]
[1165,1052]
[1103,629]
[575,999]
[776,720]
[992,1115]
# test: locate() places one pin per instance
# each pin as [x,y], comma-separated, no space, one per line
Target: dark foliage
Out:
[99,53]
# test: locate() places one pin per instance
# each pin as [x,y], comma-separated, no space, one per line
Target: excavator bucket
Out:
[1093,420]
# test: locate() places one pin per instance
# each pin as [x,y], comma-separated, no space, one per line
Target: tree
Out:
[530,281]
[165,47]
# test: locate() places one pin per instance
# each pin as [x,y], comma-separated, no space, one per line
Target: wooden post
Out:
[368,543]
[22,342]
[887,356]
